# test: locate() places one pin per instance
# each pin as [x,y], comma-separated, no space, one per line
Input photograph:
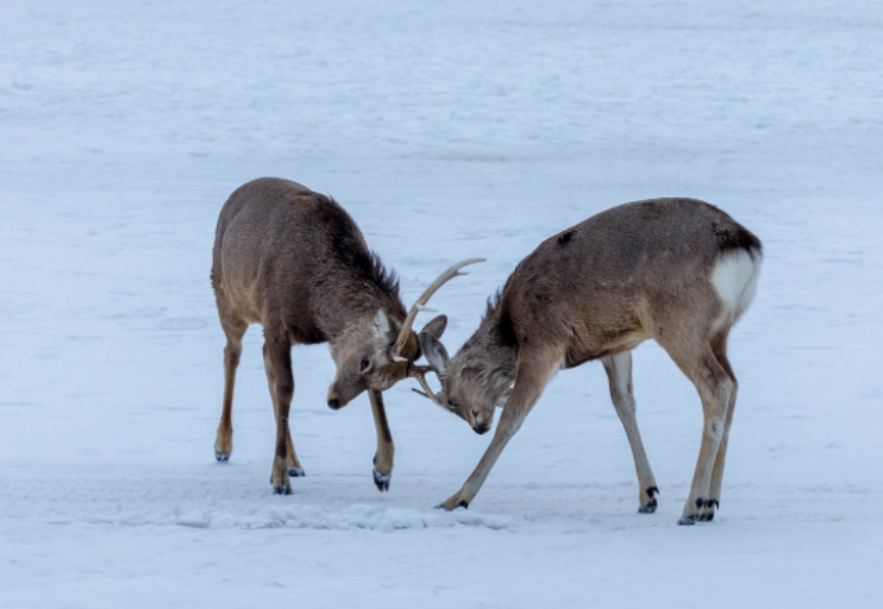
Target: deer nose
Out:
[334,404]
[480,429]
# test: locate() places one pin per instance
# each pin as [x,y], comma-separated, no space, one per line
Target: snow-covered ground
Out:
[447,130]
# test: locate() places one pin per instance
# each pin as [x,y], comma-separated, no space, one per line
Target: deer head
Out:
[377,354]
[475,382]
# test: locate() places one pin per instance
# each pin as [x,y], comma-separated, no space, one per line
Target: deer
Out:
[295,262]
[677,270]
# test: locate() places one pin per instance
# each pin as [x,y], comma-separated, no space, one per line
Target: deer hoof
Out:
[222,457]
[652,503]
[281,489]
[381,481]
[649,508]
[688,520]
[450,506]
[296,472]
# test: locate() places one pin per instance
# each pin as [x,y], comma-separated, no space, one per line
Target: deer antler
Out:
[420,305]
[419,373]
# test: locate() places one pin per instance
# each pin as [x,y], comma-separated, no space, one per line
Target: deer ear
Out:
[435,353]
[436,327]
[386,326]
[381,323]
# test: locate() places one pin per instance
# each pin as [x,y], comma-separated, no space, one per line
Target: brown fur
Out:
[295,262]
[595,291]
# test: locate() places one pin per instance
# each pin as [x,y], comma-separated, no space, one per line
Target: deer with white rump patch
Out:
[295,262]
[679,271]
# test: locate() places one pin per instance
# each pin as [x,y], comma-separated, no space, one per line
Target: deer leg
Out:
[383,458]
[294,467]
[533,372]
[279,355]
[719,347]
[619,373]
[235,330]
[715,388]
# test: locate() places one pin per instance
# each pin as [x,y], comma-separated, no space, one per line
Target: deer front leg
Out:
[530,379]
[383,458]
[619,373]
[279,354]
[294,467]
[234,330]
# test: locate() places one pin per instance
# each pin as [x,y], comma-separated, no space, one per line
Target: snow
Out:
[448,131]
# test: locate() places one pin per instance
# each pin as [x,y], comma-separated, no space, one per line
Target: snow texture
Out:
[448,130]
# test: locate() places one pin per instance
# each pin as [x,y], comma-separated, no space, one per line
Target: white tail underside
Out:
[735,279]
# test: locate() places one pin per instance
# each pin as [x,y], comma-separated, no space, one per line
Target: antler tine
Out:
[420,305]
[419,373]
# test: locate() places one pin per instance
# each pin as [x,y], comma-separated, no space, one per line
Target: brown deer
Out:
[679,271]
[295,262]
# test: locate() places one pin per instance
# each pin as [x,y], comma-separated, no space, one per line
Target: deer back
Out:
[627,274]
[291,258]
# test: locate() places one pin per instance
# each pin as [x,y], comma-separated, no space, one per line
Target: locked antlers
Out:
[420,305]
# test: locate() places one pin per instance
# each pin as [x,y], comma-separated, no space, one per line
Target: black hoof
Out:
[281,489]
[463,504]
[381,481]
[706,517]
[652,504]
[222,457]
[649,508]
[296,472]
[688,520]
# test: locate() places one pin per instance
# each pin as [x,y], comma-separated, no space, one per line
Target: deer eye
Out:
[365,364]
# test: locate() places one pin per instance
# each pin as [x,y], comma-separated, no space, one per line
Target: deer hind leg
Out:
[278,354]
[383,458]
[235,329]
[619,373]
[715,388]
[294,467]
[719,347]
[534,370]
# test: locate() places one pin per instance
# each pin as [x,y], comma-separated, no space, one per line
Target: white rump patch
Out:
[735,279]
